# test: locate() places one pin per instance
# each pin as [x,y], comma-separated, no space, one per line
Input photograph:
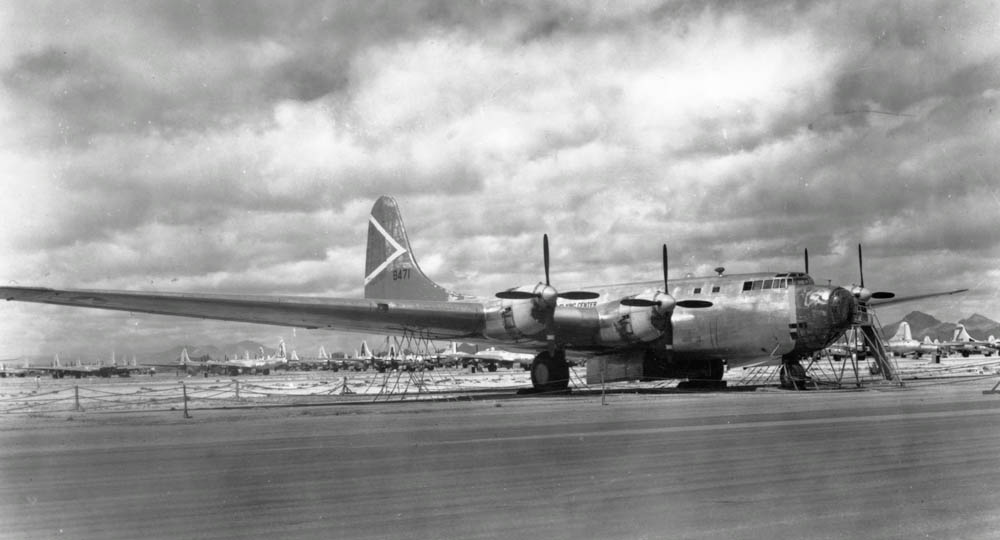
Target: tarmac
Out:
[919,461]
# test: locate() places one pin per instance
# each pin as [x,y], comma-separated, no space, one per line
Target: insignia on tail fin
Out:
[391,271]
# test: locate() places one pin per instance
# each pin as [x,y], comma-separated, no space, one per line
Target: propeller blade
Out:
[694,304]
[638,302]
[665,289]
[545,250]
[579,295]
[807,260]
[881,295]
[861,268]
[516,295]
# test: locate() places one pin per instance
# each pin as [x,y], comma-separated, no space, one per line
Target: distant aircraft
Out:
[8,369]
[902,343]
[684,328]
[962,343]
[320,361]
[263,364]
[929,347]
[490,359]
[77,370]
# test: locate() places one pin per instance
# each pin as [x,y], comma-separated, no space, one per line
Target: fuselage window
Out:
[715,289]
[747,285]
[697,290]
[768,283]
[757,284]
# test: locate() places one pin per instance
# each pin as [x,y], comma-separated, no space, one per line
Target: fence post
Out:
[76,397]
[237,381]
[185,390]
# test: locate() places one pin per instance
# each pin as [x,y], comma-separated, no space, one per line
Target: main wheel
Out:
[550,373]
[793,376]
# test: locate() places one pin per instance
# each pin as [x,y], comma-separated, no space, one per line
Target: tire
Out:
[550,374]
[793,376]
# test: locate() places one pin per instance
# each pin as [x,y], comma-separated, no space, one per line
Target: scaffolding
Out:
[863,342]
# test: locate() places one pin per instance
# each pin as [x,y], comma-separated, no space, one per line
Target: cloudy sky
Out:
[238,147]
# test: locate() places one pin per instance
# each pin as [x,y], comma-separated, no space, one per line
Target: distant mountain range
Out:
[922,324]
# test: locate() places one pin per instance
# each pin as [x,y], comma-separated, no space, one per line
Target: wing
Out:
[901,299]
[420,318]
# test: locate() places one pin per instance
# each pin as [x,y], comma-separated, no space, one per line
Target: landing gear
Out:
[550,372]
[707,375]
[793,375]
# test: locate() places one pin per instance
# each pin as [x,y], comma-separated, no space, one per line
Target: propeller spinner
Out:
[863,294]
[662,300]
[548,293]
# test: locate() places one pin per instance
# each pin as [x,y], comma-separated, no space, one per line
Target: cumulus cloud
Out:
[237,147]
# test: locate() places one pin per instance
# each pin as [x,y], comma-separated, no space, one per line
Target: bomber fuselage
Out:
[753,318]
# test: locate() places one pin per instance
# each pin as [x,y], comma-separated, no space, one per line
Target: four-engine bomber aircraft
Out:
[684,328]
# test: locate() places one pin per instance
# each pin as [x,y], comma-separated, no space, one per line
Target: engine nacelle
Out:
[623,325]
[516,320]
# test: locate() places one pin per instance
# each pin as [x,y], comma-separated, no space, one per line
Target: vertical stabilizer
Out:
[961,334]
[365,351]
[903,333]
[391,271]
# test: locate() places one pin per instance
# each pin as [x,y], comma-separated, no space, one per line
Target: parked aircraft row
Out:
[903,344]
[680,328]
[78,369]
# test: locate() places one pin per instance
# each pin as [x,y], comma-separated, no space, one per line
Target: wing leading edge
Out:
[420,318]
[902,299]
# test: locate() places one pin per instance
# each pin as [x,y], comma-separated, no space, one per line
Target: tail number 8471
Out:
[400,273]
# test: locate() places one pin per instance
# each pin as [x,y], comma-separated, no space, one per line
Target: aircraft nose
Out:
[841,306]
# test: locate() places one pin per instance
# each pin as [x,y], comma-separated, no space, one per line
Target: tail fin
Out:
[961,334]
[391,271]
[365,351]
[903,333]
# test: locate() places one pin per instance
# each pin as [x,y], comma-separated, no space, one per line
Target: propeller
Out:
[863,294]
[548,293]
[807,260]
[662,300]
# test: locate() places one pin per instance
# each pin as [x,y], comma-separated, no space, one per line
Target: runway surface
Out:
[891,463]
